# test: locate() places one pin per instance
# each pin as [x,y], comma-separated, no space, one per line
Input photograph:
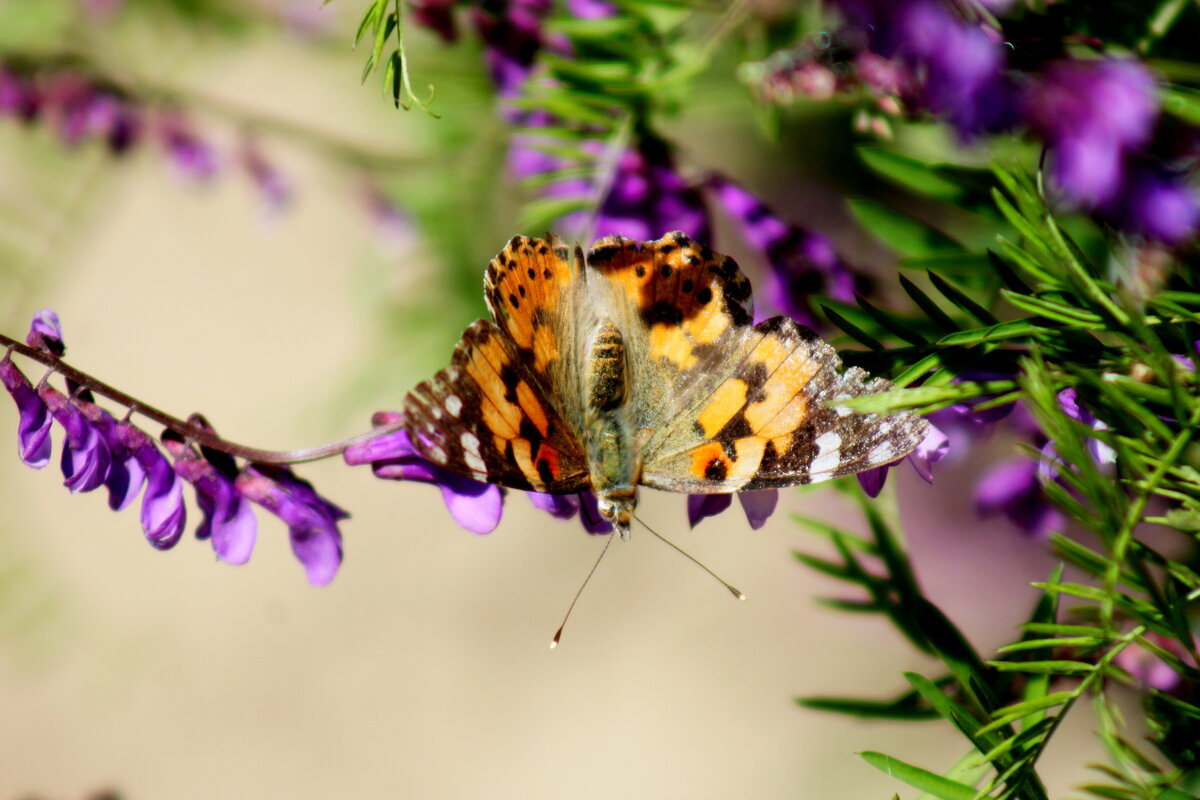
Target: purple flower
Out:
[1158,204]
[125,473]
[512,35]
[311,519]
[191,156]
[757,505]
[86,456]
[33,426]
[163,512]
[437,16]
[45,333]
[20,96]
[228,520]
[275,188]
[474,505]
[591,9]
[566,506]
[1014,490]
[1093,113]
[933,448]
[1147,668]
[115,119]
[648,197]
[803,264]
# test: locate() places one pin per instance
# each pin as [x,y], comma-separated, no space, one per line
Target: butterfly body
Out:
[639,364]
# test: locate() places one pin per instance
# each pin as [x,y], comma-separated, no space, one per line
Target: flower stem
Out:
[195,433]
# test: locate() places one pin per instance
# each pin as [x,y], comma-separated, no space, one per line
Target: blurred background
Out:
[313,255]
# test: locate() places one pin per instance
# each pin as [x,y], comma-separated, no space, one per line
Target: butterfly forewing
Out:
[486,416]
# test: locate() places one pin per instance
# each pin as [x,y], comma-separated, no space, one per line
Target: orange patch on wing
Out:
[788,419]
[499,415]
[780,390]
[669,342]
[783,443]
[771,352]
[708,325]
[726,401]
[545,349]
[532,408]
[707,457]
[522,454]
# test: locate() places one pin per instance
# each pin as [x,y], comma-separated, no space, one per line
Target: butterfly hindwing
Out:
[773,420]
[486,416]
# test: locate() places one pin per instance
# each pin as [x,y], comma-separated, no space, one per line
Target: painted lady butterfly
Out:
[639,363]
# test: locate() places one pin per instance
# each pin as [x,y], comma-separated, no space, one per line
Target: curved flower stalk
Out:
[98,450]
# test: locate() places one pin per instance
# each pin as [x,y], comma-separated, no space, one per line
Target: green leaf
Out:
[905,707]
[911,173]
[849,328]
[541,214]
[890,322]
[926,304]
[961,301]
[901,232]
[1182,103]
[1011,714]
[1059,667]
[918,778]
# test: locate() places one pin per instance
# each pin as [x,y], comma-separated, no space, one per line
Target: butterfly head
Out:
[617,508]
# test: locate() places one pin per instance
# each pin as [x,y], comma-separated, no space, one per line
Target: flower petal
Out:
[33,426]
[163,511]
[700,506]
[759,506]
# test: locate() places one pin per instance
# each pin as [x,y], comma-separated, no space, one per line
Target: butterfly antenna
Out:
[570,608]
[736,592]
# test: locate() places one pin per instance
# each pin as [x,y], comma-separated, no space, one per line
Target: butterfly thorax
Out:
[613,460]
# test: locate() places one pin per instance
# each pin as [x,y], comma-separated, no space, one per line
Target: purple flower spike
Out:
[86,456]
[1159,205]
[311,519]
[33,426]
[803,264]
[163,512]
[474,505]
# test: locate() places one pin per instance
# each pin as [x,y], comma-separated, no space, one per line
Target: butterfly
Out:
[639,364]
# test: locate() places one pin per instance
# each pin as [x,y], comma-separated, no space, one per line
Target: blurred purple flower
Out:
[191,157]
[474,505]
[512,34]
[437,16]
[566,506]
[1092,114]
[19,95]
[1013,489]
[1147,668]
[33,425]
[803,264]
[311,519]
[272,184]
[163,512]
[1158,204]
[933,448]
[101,10]
[648,198]
[115,119]
[591,9]
[757,505]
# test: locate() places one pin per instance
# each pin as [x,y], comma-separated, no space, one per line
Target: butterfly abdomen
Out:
[612,460]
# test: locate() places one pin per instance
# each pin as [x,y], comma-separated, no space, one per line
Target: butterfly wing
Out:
[504,411]
[774,420]
[729,405]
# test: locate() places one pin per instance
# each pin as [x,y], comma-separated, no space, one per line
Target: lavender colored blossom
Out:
[758,506]
[437,16]
[1093,114]
[1013,489]
[19,95]
[86,456]
[311,519]
[932,449]
[512,34]
[272,184]
[33,425]
[45,333]
[567,506]
[803,264]
[227,518]
[648,198]
[126,475]
[190,155]
[591,9]
[163,514]
[474,505]
[1158,204]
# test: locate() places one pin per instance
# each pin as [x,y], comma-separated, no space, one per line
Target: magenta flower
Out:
[33,418]
[163,513]
[757,505]
[933,448]
[567,506]
[1013,489]
[474,505]
[803,264]
[311,519]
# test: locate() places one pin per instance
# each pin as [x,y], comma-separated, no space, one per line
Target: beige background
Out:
[422,671]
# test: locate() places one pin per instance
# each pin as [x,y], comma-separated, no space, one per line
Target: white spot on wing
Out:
[829,453]
[454,405]
[883,453]
[470,444]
